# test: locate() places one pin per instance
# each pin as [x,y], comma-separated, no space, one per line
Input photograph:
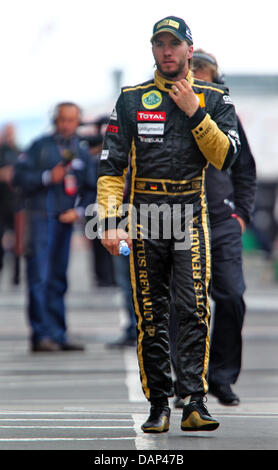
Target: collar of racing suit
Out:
[166,85]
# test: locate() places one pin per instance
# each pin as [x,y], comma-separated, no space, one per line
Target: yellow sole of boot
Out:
[194,422]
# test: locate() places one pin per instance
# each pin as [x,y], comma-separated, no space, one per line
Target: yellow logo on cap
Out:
[152,99]
[172,23]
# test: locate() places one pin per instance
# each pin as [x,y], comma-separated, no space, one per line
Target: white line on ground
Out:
[65,427]
[132,379]
[63,413]
[66,419]
[135,394]
[39,439]
[249,415]
[143,441]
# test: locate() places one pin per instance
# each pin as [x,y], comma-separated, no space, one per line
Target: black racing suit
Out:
[168,155]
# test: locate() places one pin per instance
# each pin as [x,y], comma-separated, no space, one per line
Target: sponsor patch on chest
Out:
[152,99]
[104,154]
[159,116]
[150,128]
[151,140]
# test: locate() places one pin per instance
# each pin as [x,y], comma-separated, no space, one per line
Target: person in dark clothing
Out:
[121,265]
[102,262]
[170,127]
[230,197]
[57,178]
[112,270]
[9,152]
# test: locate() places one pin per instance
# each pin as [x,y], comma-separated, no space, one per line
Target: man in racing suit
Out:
[170,127]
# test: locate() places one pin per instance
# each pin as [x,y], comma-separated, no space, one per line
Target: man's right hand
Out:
[58,173]
[111,240]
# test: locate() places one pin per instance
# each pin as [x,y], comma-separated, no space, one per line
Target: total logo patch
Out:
[159,116]
[152,99]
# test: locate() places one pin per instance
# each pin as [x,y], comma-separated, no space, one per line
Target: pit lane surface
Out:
[92,400]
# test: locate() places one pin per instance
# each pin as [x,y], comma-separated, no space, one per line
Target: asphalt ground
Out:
[92,400]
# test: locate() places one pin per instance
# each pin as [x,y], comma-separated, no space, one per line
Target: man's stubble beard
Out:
[173,74]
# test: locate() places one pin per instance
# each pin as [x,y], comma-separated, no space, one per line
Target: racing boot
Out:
[196,417]
[159,419]
[224,394]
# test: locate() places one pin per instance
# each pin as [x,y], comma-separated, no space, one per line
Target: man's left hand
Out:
[184,97]
[69,217]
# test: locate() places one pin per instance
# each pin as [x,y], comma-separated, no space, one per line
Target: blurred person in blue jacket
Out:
[57,178]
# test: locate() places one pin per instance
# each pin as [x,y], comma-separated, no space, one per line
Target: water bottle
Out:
[124,248]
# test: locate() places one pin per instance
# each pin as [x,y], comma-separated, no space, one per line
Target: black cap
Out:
[175,26]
